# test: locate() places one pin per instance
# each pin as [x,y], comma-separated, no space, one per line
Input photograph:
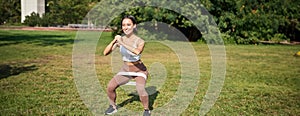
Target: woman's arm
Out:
[110,47]
[136,51]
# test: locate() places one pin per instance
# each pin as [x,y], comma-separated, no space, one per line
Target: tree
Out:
[148,13]
[10,11]
[246,21]
[63,11]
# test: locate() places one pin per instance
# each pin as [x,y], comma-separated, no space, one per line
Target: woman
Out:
[131,46]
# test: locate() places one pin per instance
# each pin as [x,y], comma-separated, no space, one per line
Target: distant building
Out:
[29,6]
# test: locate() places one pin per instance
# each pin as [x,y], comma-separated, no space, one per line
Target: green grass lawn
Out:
[36,77]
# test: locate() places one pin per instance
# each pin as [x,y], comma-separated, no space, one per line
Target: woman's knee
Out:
[140,86]
[141,90]
[110,89]
[112,85]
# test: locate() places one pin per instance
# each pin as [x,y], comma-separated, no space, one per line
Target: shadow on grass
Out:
[10,70]
[11,38]
[151,90]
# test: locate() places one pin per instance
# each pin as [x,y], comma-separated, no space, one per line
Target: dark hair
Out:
[132,18]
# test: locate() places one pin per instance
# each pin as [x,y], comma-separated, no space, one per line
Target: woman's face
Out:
[128,26]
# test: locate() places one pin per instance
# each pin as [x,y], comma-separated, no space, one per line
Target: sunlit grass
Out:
[260,80]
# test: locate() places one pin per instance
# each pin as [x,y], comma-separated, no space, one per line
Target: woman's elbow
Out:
[105,53]
[137,52]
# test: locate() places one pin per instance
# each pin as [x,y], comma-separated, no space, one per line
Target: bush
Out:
[228,39]
[33,20]
[45,20]
[279,38]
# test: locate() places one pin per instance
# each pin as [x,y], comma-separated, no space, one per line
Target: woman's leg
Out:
[140,87]
[113,84]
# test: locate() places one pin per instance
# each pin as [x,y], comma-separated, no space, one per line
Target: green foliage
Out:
[33,20]
[10,11]
[46,20]
[36,20]
[70,11]
[154,15]
[249,22]
[279,37]
[241,22]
